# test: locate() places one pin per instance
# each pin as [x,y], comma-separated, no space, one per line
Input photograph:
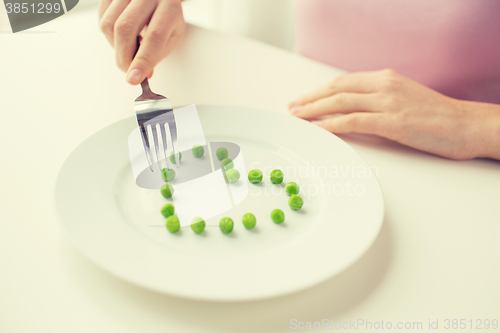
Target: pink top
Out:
[452,46]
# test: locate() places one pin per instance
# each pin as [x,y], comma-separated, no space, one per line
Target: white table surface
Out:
[437,256]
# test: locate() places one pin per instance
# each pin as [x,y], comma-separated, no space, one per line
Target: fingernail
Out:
[317,122]
[291,104]
[134,77]
[297,109]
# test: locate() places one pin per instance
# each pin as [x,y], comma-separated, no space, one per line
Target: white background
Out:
[270,21]
[437,256]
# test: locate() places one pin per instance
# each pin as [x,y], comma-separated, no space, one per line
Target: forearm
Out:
[486,129]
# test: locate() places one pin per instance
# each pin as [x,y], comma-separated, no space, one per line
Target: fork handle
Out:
[144,83]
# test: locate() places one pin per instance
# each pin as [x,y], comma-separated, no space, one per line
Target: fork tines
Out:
[154,113]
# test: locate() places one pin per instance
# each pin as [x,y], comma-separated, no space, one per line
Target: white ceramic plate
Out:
[112,221]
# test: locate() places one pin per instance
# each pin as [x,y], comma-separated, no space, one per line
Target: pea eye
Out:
[292,188]
[277,216]
[198,151]
[226,225]
[255,176]
[221,153]
[277,176]
[249,220]
[227,164]
[173,224]
[167,191]
[167,210]
[232,175]
[168,174]
[198,225]
[172,157]
[295,202]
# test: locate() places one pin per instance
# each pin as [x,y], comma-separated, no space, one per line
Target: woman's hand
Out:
[159,22]
[390,105]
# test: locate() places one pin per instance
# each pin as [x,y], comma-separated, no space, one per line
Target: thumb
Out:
[141,67]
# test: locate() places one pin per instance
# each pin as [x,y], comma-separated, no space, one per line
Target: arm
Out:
[487,130]
[390,105]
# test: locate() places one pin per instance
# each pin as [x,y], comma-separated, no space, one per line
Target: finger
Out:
[171,45]
[162,36]
[127,28]
[358,122]
[109,17]
[103,5]
[359,82]
[338,103]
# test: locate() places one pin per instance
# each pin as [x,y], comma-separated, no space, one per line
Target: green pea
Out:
[167,210]
[198,225]
[172,157]
[226,225]
[277,216]
[221,153]
[168,174]
[295,202]
[232,175]
[255,176]
[173,224]
[198,151]
[167,191]
[292,188]
[249,220]
[227,164]
[277,176]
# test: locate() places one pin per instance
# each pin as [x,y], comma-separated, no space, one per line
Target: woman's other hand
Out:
[390,105]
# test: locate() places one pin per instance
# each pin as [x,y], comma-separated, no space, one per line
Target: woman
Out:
[442,94]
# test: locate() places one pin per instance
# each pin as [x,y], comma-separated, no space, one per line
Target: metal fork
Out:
[155,111]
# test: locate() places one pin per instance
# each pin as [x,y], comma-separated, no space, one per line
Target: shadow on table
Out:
[147,311]
[377,145]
